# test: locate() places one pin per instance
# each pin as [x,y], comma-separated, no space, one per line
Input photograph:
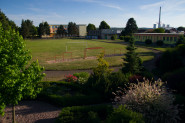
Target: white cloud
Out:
[101,3]
[149,6]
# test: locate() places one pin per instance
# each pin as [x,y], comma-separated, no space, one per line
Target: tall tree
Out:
[159,30]
[6,23]
[132,62]
[28,29]
[91,27]
[61,30]
[181,28]
[43,29]
[131,27]
[72,29]
[18,78]
[104,25]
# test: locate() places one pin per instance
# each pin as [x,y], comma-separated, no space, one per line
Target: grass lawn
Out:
[46,49]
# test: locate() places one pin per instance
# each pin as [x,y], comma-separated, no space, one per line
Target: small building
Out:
[157,36]
[104,33]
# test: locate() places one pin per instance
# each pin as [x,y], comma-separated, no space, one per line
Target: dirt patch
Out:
[79,59]
[32,112]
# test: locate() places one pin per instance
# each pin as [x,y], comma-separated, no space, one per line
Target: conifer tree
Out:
[132,62]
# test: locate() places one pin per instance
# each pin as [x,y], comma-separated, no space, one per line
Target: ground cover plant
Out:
[45,50]
[68,94]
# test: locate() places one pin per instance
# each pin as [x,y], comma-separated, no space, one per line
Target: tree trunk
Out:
[13,113]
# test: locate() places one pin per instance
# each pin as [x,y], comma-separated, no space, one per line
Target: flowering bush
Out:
[152,100]
[70,78]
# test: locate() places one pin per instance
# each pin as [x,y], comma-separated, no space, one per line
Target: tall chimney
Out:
[159,24]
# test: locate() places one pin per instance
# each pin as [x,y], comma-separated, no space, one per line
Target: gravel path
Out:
[32,112]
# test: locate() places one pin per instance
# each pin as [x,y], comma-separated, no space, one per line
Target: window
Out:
[53,27]
[163,38]
[175,38]
[171,38]
[167,38]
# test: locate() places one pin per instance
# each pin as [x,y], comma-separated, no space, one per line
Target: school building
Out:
[81,29]
[157,36]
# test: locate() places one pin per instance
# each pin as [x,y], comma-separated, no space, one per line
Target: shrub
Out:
[82,77]
[98,80]
[176,80]
[127,38]
[152,100]
[135,78]
[172,59]
[148,41]
[86,114]
[121,37]
[123,115]
[113,37]
[159,43]
[70,78]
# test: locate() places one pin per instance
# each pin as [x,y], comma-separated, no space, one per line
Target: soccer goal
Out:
[72,44]
[92,48]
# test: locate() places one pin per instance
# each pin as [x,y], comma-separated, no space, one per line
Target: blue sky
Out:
[114,12]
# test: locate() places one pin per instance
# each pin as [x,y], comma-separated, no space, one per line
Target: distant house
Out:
[157,36]
[81,29]
[104,33]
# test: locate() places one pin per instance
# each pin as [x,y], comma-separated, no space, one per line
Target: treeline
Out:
[28,30]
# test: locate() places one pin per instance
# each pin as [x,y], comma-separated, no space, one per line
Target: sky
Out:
[115,12]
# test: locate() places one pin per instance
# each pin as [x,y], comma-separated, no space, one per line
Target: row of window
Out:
[156,38]
[57,26]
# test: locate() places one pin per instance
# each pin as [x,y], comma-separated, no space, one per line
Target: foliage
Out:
[148,41]
[159,30]
[72,29]
[176,80]
[172,59]
[17,79]
[131,27]
[6,23]
[127,38]
[61,30]
[27,29]
[104,25]
[181,28]
[135,78]
[99,78]
[152,100]
[87,114]
[113,37]
[43,29]
[133,63]
[70,78]
[181,40]
[68,94]
[90,27]
[159,43]
[121,37]
[82,77]
[123,115]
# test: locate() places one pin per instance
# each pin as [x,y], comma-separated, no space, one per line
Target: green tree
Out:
[181,28]
[6,23]
[43,29]
[27,29]
[104,25]
[91,27]
[61,30]
[159,30]
[72,29]
[181,40]
[131,27]
[18,77]
[132,62]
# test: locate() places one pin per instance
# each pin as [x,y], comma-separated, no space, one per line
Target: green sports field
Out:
[51,53]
